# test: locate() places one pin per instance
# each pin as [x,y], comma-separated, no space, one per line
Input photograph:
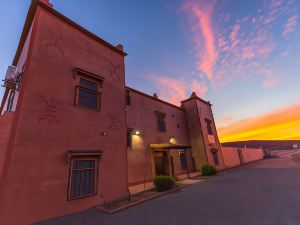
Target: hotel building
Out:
[73,135]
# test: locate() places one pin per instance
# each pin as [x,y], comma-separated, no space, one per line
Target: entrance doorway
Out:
[161,163]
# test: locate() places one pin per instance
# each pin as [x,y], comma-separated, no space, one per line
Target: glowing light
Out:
[173,141]
[137,142]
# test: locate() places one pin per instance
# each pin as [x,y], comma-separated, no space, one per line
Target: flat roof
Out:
[153,98]
[30,17]
[196,97]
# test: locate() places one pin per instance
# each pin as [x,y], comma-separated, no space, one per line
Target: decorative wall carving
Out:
[114,70]
[112,67]
[113,122]
[49,112]
[54,40]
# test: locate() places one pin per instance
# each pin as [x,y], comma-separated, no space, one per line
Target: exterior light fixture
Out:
[137,132]
[172,140]
[103,133]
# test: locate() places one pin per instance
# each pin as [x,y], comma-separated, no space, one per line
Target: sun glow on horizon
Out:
[282,124]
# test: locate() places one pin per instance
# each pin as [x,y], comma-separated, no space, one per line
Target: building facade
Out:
[168,140]
[73,136]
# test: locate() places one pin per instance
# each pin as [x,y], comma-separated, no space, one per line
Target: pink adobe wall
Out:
[252,154]
[195,133]
[231,157]
[205,112]
[5,125]
[38,171]
[141,116]
[197,111]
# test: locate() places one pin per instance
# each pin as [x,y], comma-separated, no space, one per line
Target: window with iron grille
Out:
[83,178]
[128,98]
[161,122]
[129,137]
[208,126]
[183,161]
[214,153]
[87,95]
[10,100]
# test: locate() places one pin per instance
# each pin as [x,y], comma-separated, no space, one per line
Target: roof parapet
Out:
[194,96]
[47,3]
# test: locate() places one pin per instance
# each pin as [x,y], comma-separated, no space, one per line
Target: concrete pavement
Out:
[266,192]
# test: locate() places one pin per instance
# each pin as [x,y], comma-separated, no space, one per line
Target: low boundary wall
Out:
[238,156]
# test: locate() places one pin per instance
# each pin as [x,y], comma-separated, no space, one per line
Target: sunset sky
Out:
[242,55]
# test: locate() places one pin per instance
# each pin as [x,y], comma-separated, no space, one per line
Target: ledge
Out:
[83,153]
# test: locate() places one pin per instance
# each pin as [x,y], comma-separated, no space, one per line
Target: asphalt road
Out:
[266,192]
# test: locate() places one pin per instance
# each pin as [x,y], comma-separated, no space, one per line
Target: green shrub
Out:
[208,170]
[163,183]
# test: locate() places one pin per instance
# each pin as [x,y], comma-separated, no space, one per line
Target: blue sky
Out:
[243,56]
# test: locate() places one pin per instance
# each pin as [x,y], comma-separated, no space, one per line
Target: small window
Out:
[183,161]
[83,176]
[214,153]
[208,126]
[87,95]
[161,122]
[128,98]
[129,137]
[10,100]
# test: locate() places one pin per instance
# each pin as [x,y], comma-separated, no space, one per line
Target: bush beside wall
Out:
[209,170]
[164,183]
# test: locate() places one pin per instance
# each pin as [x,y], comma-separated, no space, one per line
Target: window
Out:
[10,100]
[208,126]
[183,161]
[161,123]
[214,153]
[87,95]
[83,174]
[128,98]
[129,137]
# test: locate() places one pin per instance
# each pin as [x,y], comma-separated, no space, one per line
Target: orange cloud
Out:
[281,124]
[203,35]
[175,90]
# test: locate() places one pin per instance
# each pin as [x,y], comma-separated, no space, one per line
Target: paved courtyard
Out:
[266,192]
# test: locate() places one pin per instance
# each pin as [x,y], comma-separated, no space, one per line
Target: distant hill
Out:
[265,144]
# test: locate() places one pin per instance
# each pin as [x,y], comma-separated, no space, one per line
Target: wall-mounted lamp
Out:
[104,133]
[137,132]
[172,140]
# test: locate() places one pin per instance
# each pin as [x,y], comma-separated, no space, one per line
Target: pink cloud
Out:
[271,79]
[290,26]
[248,53]
[224,121]
[234,36]
[199,88]
[176,90]
[242,51]
[203,35]
[171,90]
